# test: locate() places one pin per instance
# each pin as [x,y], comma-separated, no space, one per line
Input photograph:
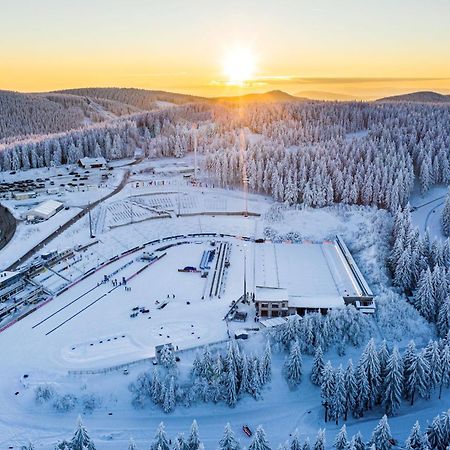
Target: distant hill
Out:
[143,99]
[266,97]
[26,114]
[323,95]
[419,97]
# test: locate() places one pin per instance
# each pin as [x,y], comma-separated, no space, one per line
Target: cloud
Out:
[288,79]
[154,74]
[293,80]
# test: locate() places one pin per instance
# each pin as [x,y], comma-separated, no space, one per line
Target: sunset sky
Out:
[355,47]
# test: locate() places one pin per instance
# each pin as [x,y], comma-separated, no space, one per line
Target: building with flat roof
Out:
[10,283]
[92,163]
[24,195]
[299,278]
[44,210]
[271,301]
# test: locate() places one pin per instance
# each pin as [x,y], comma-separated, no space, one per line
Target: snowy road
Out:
[426,211]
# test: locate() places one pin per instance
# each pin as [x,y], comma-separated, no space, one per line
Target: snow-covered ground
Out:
[89,326]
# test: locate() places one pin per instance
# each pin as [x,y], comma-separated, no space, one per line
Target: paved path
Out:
[7,226]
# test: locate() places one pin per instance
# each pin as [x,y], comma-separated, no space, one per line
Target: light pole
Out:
[245,272]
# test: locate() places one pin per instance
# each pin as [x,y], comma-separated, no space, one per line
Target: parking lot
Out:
[71,178]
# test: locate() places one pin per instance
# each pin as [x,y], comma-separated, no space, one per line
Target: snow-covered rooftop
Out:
[270,294]
[46,208]
[89,161]
[314,301]
[7,274]
[309,270]
[274,322]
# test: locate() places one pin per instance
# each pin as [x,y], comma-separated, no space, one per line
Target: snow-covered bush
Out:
[65,403]
[141,389]
[90,402]
[275,213]
[398,320]
[43,393]
[167,357]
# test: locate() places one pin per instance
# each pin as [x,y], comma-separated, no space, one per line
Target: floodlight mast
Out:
[242,147]
[245,272]
[195,128]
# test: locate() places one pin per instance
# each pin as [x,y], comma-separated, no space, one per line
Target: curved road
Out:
[432,211]
[68,224]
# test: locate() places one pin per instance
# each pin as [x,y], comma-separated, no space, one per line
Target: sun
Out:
[239,66]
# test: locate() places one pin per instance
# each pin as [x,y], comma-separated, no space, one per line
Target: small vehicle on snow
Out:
[246,430]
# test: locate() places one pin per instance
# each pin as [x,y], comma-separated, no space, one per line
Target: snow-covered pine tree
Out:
[293,366]
[362,392]
[416,440]
[266,364]
[156,390]
[435,435]
[416,377]
[357,442]
[383,356]
[169,396]
[255,379]
[350,389]
[180,443]
[306,444]
[432,354]
[29,446]
[393,383]
[62,445]
[327,388]
[228,441]
[320,440]
[443,322]
[381,436]
[341,441]
[445,216]
[290,331]
[132,445]
[194,442]
[445,426]
[259,441]
[425,175]
[424,296]
[81,439]
[160,442]
[337,407]
[245,386]
[317,367]
[197,368]
[370,363]
[207,363]
[295,442]
[445,367]
[231,392]
[232,360]
[404,269]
